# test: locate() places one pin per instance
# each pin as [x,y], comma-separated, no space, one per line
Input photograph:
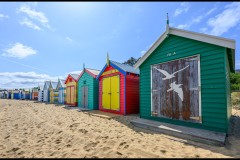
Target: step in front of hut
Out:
[194,134]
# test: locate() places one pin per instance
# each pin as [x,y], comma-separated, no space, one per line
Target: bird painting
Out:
[176,87]
[167,75]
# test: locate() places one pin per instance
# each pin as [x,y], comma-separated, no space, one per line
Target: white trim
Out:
[228,43]
[199,93]
[224,42]
[151,90]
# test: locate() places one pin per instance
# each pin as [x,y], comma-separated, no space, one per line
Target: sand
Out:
[36,130]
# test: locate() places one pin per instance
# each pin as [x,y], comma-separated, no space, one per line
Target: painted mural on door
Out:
[110,93]
[175,89]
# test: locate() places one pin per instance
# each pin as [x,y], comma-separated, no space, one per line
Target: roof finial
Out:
[167,26]
[83,66]
[107,59]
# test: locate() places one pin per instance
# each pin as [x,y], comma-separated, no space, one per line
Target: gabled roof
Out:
[41,87]
[54,84]
[74,76]
[219,41]
[61,83]
[126,67]
[92,72]
[123,68]
[46,84]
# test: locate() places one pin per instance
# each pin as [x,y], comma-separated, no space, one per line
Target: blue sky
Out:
[47,40]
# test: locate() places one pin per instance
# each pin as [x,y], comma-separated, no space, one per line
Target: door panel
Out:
[106,93]
[68,95]
[82,97]
[175,92]
[72,94]
[115,93]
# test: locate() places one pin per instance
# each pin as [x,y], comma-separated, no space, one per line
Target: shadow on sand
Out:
[231,148]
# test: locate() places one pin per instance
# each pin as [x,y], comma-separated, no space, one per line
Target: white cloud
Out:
[203,30]
[69,39]
[146,48]
[30,24]
[34,15]
[184,7]
[183,26]
[222,22]
[3,16]
[210,11]
[189,24]
[10,80]
[20,51]
[142,53]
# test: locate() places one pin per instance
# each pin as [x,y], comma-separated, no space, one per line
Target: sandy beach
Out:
[29,129]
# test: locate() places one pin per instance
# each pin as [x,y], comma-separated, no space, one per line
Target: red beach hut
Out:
[118,88]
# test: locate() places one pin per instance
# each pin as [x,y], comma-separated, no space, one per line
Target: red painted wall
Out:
[132,94]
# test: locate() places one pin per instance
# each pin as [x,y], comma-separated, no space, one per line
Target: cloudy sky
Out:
[47,40]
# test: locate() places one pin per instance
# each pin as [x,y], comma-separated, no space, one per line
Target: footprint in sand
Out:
[84,131]
[89,146]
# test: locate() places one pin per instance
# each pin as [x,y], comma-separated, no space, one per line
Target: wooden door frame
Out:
[199,83]
[70,92]
[82,94]
[119,76]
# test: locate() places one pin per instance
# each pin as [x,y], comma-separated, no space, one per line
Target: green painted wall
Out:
[228,90]
[92,84]
[213,80]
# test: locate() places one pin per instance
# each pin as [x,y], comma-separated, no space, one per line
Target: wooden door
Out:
[73,96]
[68,95]
[175,89]
[106,93]
[84,100]
[114,92]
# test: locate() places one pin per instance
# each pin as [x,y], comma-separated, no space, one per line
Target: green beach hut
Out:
[88,89]
[184,80]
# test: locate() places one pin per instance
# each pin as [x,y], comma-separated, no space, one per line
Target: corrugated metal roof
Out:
[75,76]
[126,68]
[93,71]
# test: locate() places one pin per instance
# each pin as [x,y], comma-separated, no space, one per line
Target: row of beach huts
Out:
[182,79]
[119,85]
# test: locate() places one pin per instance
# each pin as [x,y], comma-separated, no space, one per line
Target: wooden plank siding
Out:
[132,94]
[213,67]
[91,83]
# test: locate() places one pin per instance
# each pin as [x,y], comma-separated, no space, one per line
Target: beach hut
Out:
[46,91]
[35,93]
[118,88]
[26,95]
[40,93]
[88,89]
[53,92]
[184,80]
[30,94]
[21,94]
[16,94]
[71,89]
[10,95]
[61,87]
